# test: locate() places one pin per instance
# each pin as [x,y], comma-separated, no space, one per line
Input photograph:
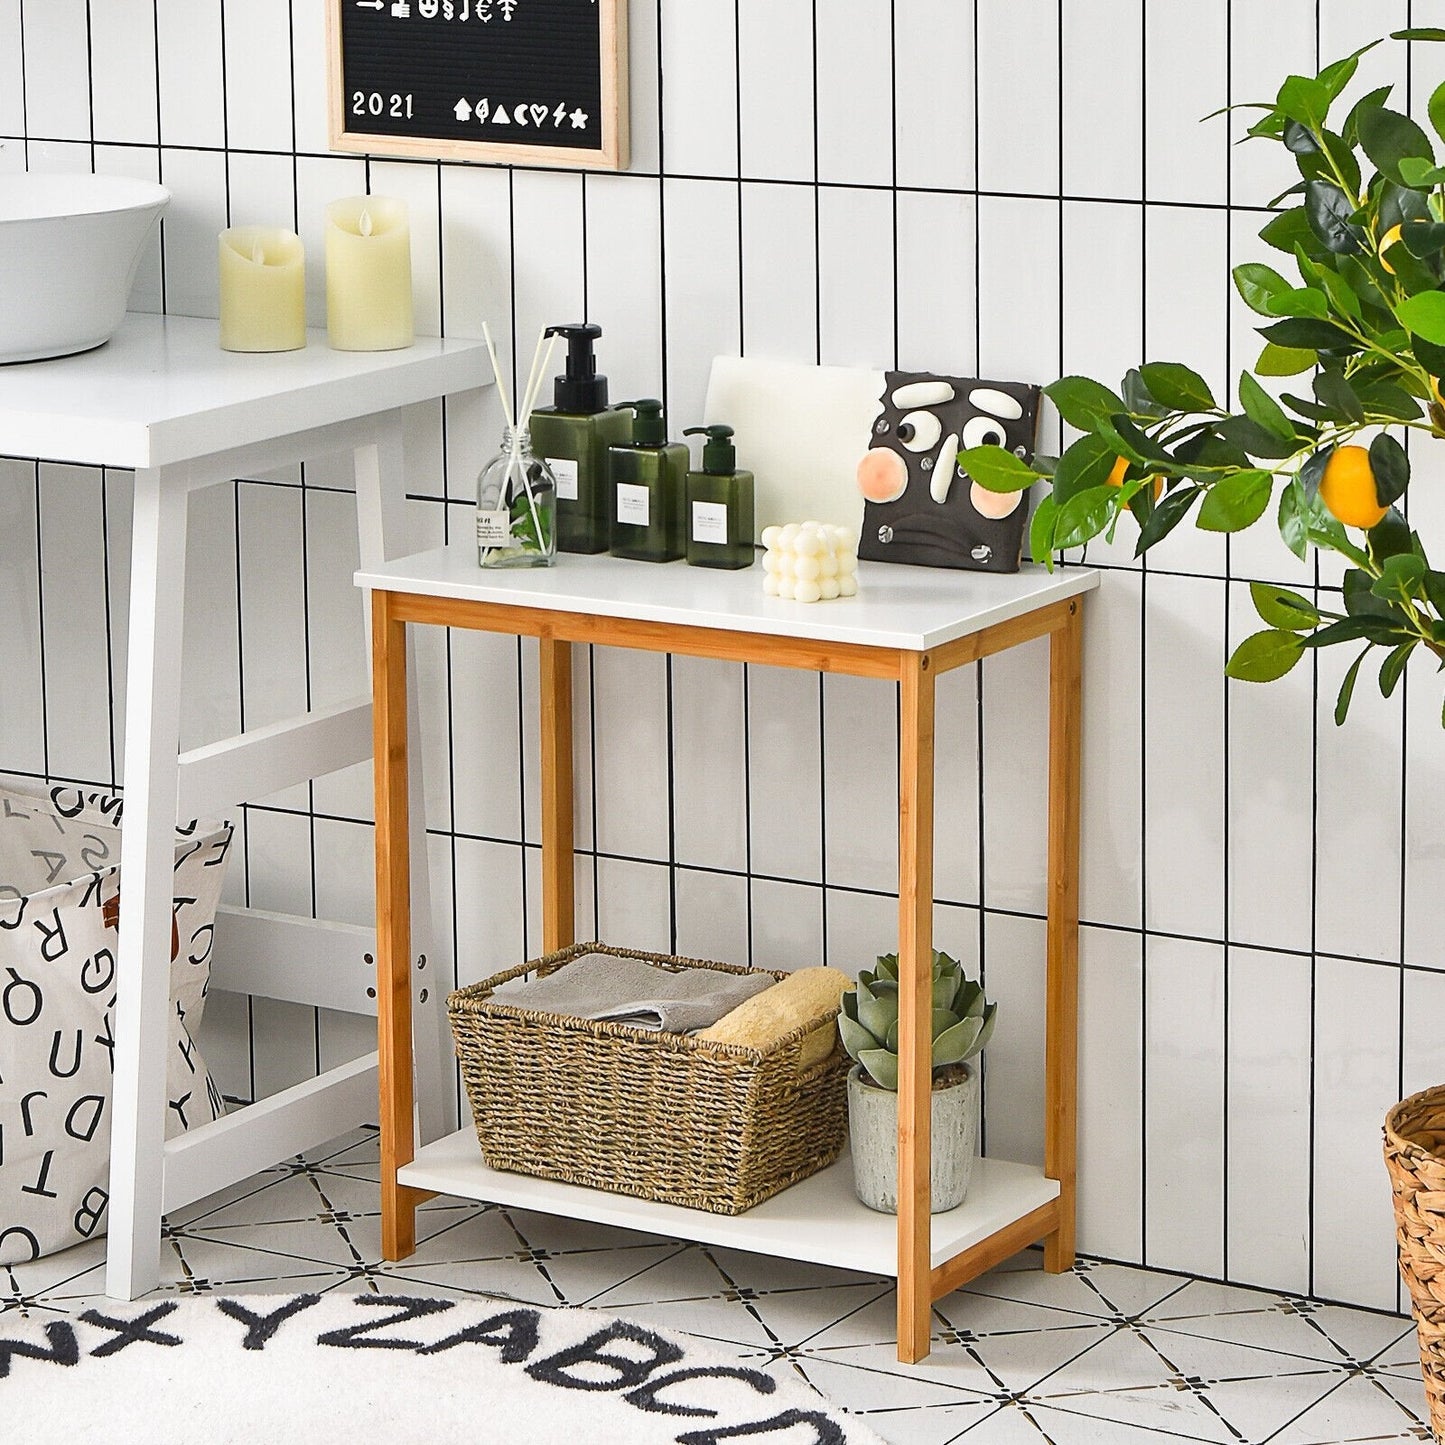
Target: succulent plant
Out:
[868,1025]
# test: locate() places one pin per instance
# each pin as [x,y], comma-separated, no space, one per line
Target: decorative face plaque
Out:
[522,82]
[918,506]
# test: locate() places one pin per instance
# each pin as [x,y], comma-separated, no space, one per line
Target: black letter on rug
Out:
[624,1371]
[262,1328]
[646,1397]
[131,1332]
[63,1349]
[514,1333]
[349,1338]
[828,1431]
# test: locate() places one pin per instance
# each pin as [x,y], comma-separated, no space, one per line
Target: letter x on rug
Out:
[396,1368]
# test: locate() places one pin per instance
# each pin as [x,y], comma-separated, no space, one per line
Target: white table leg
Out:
[382,533]
[142,1010]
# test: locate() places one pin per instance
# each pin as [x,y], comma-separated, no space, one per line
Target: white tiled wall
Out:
[1016,187]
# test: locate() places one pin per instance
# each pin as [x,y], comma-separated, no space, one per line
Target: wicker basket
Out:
[1415,1157]
[660,1115]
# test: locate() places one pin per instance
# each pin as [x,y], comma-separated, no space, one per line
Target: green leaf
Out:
[882,1068]
[1177,386]
[1082,401]
[1388,137]
[1347,688]
[1391,467]
[958,1043]
[1236,502]
[1338,74]
[1137,446]
[1257,284]
[1419,32]
[1263,409]
[1390,537]
[1434,585]
[1257,440]
[856,1039]
[1304,333]
[1437,110]
[1265,656]
[1420,174]
[1329,211]
[1138,398]
[1304,100]
[1342,158]
[1424,314]
[1166,516]
[1290,229]
[1384,398]
[1368,102]
[1354,629]
[877,1012]
[1041,531]
[996,469]
[1300,301]
[1394,665]
[1293,519]
[1283,360]
[1400,578]
[1085,515]
[1087,463]
[1282,609]
[1339,396]
[1341,294]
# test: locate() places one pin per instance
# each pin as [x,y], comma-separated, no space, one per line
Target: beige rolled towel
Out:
[765,1017]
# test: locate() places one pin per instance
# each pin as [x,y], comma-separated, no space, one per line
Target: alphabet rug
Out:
[409,1370]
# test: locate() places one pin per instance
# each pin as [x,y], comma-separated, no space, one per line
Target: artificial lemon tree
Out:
[1365,321]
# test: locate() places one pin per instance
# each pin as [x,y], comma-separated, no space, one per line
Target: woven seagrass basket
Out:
[661,1116]
[1415,1157]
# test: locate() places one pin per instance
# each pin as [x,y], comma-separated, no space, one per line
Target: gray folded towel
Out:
[633,991]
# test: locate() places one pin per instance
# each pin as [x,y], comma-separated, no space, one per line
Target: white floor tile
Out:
[1358,1410]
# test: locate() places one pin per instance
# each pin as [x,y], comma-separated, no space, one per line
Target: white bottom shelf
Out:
[818,1219]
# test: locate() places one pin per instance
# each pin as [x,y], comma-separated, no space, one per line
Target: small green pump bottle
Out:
[573,435]
[648,480]
[719,504]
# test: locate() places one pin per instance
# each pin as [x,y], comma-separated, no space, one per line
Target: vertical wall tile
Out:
[624,283]
[1101,143]
[1018,125]
[261,191]
[712,916]
[780,272]
[860,772]
[485,718]
[193,220]
[1186,77]
[1013,978]
[189,46]
[632,753]
[1267,1221]
[785,763]
[633,904]
[933,93]
[258,73]
[1019,264]
[956,786]
[1184,1051]
[1111,1084]
[788,926]
[1422,1064]
[1357,1068]
[549,271]
[1267,42]
[123,87]
[12,73]
[700,99]
[709,763]
[309,57]
[775,88]
[863,926]
[856,266]
[855,93]
[645,85]
[57,69]
[1184,754]
[22,700]
[937,283]
[488,892]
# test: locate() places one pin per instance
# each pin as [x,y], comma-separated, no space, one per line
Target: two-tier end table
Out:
[161,398]
[908,625]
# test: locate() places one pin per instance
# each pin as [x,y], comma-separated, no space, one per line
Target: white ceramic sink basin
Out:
[69,248]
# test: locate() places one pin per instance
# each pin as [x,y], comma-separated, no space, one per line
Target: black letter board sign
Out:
[527,82]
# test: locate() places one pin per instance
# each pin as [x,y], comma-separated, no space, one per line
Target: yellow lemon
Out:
[1348,488]
[1386,241]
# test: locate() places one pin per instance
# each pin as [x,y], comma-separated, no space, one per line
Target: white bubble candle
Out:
[810,562]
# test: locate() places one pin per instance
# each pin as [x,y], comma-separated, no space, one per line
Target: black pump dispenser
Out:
[649,429]
[579,389]
[719,455]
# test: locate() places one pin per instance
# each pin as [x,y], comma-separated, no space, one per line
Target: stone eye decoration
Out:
[918,506]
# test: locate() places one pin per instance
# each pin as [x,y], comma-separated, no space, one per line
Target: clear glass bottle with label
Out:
[719,504]
[573,435]
[516,507]
[648,480]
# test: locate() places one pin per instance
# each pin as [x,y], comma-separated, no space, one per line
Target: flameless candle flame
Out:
[258,254]
[364,224]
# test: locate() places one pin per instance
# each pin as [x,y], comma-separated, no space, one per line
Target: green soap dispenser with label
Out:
[573,435]
[648,481]
[719,504]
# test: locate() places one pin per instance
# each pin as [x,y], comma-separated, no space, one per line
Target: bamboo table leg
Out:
[915,971]
[559,912]
[393,926]
[1062,1038]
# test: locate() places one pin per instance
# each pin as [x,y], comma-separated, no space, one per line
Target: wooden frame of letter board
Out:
[611,156]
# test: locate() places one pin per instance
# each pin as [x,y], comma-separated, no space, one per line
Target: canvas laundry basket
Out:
[59,910]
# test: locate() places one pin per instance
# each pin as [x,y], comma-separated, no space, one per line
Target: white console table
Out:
[161,398]
[908,624]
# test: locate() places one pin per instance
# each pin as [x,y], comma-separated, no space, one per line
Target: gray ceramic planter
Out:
[873,1130]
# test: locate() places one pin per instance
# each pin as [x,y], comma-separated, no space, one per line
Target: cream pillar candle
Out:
[263,289]
[368,274]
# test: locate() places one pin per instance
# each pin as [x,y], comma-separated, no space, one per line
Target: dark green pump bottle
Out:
[648,481]
[573,435]
[719,504]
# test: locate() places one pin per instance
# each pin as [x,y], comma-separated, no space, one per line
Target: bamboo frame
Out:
[612,155]
[919,1283]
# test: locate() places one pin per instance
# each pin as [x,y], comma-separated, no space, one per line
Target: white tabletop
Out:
[161,391]
[914,608]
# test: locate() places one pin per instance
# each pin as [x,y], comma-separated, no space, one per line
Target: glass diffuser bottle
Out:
[516,507]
